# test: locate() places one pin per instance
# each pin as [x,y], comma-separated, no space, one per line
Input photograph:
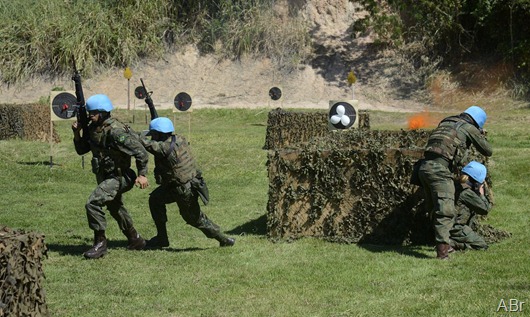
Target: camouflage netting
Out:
[27,122]
[347,186]
[21,274]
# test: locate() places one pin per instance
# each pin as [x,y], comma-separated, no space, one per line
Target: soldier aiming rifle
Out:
[112,145]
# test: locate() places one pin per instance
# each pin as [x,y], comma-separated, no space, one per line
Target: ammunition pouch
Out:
[415,177]
[199,185]
[104,166]
[107,165]
[95,165]
[184,189]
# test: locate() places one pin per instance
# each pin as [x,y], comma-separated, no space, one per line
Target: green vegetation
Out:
[448,32]
[256,277]
[41,37]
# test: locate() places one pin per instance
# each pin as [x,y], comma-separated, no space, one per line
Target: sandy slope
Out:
[218,83]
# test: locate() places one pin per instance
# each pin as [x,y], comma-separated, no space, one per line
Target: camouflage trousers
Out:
[108,194]
[187,199]
[439,190]
[464,238]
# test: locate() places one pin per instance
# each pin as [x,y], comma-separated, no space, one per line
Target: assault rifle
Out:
[149,101]
[81,113]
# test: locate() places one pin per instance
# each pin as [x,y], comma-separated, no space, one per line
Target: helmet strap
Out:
[104,115]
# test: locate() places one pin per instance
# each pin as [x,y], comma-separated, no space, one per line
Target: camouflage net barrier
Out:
[349,186]
[27,122]
[21,274]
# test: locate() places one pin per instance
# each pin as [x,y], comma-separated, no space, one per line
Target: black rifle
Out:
[149,101]
[81,113]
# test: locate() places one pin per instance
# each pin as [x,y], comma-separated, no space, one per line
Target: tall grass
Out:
[308,277]
[253,28]
[42,37]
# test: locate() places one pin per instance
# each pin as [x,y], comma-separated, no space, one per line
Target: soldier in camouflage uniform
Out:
[471,199]
[180,182]
[112,145]
[446,150]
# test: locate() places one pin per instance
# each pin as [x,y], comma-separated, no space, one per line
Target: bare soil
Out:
[220,83]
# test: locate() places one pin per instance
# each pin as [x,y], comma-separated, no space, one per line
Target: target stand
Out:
[63,106]
[182,103]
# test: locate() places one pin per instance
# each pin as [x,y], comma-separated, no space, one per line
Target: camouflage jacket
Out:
[174,162]
[452,139]
[113,144]
[469,203]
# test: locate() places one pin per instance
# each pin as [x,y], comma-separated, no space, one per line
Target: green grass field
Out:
[307,277]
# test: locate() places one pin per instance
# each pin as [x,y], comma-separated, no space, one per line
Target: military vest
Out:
[104,149]
[444,140]
[179,165]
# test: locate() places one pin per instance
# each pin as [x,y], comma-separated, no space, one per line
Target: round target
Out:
[182,101]
[64,105]
[275,93]
[140,93]
[342,115]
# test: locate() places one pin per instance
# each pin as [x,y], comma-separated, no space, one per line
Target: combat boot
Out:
[157,242]
[99,248]
[459,246]
[136,242]
[442,251]
[225,241]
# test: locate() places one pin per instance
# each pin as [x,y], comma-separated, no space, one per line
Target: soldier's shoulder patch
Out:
[122,138]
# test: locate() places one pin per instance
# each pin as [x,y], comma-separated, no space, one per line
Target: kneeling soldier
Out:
[472,198]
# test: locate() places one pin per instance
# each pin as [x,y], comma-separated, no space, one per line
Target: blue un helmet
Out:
[99,102]
[478,114]
[162,125]
[476,171]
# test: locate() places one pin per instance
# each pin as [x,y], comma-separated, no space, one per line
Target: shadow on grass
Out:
[45,163]
[413,250]
[256,226]
[182,250]
[68,249]
[79,249]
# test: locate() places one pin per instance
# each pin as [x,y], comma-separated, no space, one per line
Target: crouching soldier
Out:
[180,182]
[112,144]
[471,200]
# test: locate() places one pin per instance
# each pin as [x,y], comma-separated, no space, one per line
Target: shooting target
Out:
[275,93]
[140,93]
[63,105]
[182,101]
[342,114]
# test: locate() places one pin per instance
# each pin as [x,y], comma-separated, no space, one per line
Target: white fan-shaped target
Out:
[342,115]
[335,119]
[345,120]
[341,110]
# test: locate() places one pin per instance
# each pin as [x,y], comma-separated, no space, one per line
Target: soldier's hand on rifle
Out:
[76,128]
[142,182]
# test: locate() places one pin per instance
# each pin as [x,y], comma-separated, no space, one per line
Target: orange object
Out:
[418,121]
